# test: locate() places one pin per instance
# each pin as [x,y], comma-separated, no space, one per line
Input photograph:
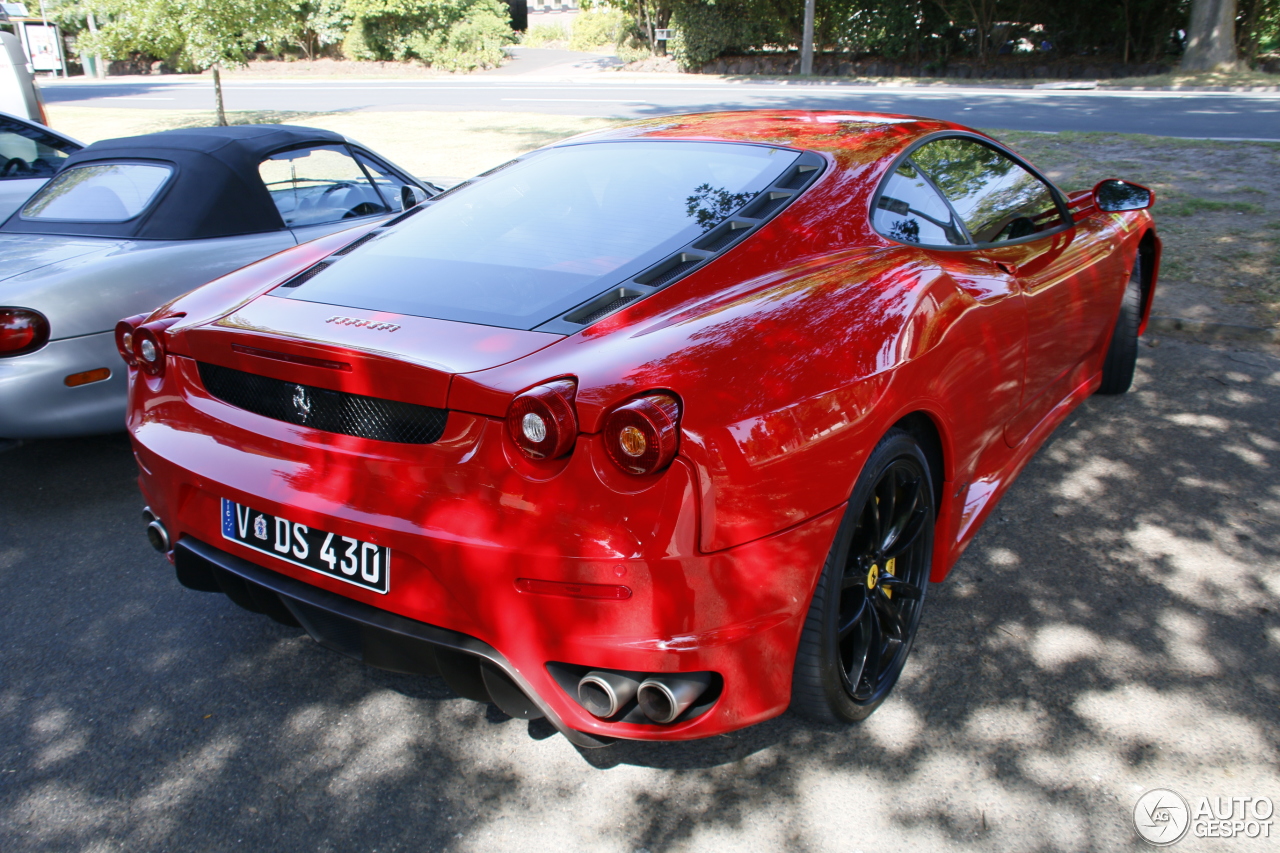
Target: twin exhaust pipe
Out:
[662,698]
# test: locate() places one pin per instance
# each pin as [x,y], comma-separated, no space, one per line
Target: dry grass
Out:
[1217,210]
[430,144]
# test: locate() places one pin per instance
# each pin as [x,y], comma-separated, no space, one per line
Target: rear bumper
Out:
[36,403]
[370,635]
[465,521]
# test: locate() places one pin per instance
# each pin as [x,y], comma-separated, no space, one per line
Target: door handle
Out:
[1006,268]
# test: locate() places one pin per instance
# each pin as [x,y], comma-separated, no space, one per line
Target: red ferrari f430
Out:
[655,432]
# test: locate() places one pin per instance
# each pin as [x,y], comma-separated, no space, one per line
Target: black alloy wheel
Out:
[867,605]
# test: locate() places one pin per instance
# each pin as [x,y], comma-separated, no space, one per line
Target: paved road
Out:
[1215,115]
[1114,628]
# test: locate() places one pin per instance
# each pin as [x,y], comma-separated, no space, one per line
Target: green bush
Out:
[454,35]
[542,34]
[474,42]
[705,31]
[598,28]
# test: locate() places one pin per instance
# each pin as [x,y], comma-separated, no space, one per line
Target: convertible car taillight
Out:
[124,338]
[542,422]
[641,436]
[22,331]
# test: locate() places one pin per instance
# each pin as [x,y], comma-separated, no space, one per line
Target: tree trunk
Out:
[1211,36]
[217,96]
[806,41]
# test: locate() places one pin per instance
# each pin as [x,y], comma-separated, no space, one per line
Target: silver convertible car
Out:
[128,224]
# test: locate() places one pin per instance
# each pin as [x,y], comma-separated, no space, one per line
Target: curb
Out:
[1217,331]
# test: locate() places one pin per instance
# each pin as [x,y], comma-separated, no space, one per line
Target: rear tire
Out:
[865,610]
[1122,354]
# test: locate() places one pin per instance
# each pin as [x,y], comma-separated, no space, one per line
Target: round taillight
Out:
[642,435]
[22,331]
[124,338]
[542,422]
[148,351]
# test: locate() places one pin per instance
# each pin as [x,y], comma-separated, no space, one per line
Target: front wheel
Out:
[866,608]
[1122,354]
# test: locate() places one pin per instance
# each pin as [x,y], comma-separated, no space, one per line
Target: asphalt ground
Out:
[1115,627]
[1227,115]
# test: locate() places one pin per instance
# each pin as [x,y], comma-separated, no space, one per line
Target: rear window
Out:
[540,236]
[111,192]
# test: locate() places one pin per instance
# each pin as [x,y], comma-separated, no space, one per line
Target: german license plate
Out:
[361,563]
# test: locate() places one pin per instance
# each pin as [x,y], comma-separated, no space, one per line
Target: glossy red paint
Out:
[791,355]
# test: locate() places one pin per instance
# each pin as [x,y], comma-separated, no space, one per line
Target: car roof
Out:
[849,135]
[215,191]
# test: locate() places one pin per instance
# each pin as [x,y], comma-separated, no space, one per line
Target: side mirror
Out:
[1114,196]
[411,196]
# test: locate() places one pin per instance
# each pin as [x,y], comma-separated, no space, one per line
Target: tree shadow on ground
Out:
[1113,628]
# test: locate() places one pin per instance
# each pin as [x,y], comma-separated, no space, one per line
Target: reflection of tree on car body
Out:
[665,481]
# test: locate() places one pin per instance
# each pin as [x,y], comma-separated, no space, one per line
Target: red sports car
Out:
[654,432]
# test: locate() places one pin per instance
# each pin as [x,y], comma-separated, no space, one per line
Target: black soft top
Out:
[215,191]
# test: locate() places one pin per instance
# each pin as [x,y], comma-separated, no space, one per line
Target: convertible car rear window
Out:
[538,237]
[103,192]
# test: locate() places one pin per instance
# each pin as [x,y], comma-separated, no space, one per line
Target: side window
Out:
[26,152]
[996,198]
[389,184]
[318,185]
[910,211]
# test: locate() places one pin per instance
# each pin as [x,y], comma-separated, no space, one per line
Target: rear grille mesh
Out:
[324,409]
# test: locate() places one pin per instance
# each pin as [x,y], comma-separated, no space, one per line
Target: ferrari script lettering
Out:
[366,324]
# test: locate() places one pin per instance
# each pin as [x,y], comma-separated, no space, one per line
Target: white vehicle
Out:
[18,93]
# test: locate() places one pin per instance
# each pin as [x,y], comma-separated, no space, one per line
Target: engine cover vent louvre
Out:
[723,236]
[307,274]
[797,177]
[670,269]
[703,249]
[417,208]
[766,204]
[604,305]
[324,409]
[351,247]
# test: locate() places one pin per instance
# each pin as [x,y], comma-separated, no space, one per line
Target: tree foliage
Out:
[456,35]
[938,31]
[191,34]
